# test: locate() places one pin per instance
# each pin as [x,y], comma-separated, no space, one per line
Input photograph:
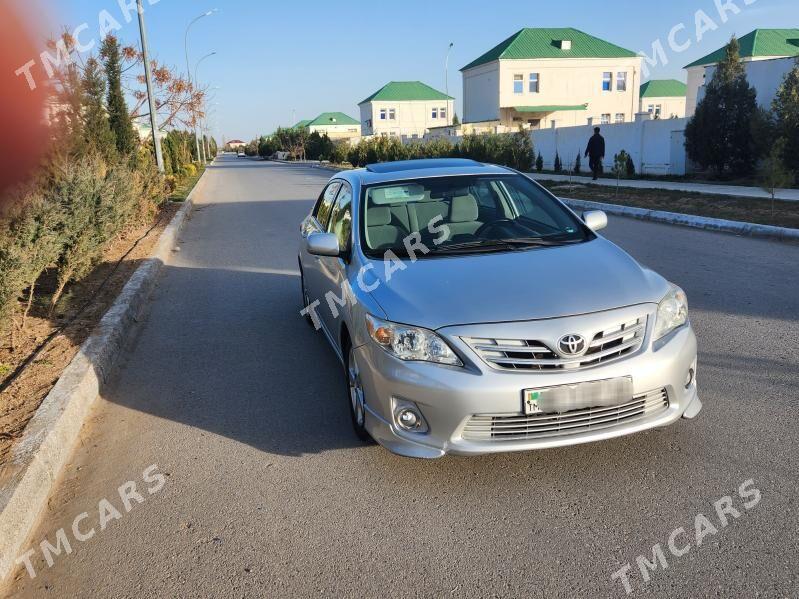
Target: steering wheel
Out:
[487,226]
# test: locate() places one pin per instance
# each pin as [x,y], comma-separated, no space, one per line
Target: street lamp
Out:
[202,145]
[188,68]
[446,80]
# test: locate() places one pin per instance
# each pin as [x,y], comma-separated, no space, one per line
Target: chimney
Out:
[565,44]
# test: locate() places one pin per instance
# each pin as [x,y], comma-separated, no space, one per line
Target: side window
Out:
[325,204]
[341,223]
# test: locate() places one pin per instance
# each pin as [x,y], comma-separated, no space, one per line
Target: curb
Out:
[686,220]
[49,438]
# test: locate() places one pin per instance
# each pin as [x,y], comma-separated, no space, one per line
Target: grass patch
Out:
[184,188]
[5,370]
[751,210]
[699,178]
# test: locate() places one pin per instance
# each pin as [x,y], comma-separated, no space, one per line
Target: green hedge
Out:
[514,150]
[65,220]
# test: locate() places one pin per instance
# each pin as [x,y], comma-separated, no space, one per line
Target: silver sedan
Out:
[473,312]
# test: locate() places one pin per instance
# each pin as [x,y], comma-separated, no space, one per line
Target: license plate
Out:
[564,398]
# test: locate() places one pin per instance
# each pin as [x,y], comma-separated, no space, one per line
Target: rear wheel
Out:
[355,395]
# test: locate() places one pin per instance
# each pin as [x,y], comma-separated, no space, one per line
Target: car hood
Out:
[514,286]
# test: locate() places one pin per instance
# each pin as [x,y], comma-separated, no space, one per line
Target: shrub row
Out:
[66,219]
[514,150]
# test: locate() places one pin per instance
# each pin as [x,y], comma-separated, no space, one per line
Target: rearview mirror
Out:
[322,244]
[595,219]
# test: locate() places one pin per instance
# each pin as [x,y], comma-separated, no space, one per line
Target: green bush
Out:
[514,150]
[558,164]
[539,163]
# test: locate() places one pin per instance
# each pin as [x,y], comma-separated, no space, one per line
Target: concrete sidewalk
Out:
[791,195]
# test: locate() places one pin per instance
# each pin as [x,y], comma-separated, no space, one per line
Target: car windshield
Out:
[465,214]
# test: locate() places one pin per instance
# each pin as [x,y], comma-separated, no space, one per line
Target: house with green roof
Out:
[336,125]
[405,109]
[544,77]
[663,98]
[778,46]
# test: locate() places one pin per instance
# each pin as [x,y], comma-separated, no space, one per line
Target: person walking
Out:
[595,152]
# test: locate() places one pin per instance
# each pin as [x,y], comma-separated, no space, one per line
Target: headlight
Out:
[410,343]
[672,312]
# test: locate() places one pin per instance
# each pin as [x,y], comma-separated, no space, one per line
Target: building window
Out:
[619,117]
[621,82]
[534,83]
[442,113]
[518,84]
[658,110]
[607,82]
[434,114]
[392,114]
[605,119]
[650,109]
[383,114]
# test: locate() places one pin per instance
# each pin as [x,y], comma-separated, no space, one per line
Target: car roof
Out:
[385,172]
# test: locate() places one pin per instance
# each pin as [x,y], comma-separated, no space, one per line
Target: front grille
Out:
[524,354]
[519,427]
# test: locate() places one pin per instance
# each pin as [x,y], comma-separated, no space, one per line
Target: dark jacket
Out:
[596,146]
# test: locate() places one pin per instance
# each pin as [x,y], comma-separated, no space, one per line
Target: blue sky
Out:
[280,60]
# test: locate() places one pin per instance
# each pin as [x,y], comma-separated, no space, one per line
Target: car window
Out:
[341,222]
[325,204]
[476,210]
[527,204]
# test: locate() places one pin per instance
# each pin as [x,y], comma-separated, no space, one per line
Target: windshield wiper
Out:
[539,241]
[480,245]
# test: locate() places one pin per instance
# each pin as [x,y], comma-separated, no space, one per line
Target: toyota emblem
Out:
[571,345]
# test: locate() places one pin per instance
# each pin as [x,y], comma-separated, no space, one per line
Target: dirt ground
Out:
[19,401]
[752,210]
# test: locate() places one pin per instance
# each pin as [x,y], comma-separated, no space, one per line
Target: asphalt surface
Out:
[268,493]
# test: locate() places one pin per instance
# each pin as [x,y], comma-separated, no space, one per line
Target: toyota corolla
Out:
[474,312]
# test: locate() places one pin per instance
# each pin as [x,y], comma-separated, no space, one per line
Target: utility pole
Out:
[446,83]
[159,158]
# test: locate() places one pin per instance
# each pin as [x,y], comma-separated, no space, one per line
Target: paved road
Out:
[268,493]
[790,195]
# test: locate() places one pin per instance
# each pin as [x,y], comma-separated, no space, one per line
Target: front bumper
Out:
[448,397]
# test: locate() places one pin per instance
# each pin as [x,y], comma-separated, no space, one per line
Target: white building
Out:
[663,98]
[766,76]
[757,45]
[405,109]
[538,77]
[336,125]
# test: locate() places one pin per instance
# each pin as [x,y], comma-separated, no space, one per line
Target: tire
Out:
[355,395]
[305,299]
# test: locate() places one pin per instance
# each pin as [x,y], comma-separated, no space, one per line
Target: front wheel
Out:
[355,394]
[306,300]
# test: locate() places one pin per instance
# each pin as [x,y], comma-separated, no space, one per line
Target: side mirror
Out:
[322,244]
[595,219]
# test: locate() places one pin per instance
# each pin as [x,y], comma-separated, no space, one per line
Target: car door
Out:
[316,222]
[333,270]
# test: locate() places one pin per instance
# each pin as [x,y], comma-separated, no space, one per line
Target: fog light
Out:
[408,419]
[690,378]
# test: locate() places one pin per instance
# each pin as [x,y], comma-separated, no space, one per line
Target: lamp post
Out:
[188,68]
[202,145]
[159,157]
[446,81]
